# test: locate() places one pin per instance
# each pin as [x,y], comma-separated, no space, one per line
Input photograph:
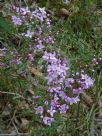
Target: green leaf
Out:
[5,25]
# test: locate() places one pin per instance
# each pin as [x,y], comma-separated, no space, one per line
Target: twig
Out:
[25,3]
[20,96]
[15,127]
[20,134]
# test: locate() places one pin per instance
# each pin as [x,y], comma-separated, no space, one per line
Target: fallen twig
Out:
[20,96]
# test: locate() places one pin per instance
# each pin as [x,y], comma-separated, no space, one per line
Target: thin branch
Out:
[19,134]
[15,127]
[20,96]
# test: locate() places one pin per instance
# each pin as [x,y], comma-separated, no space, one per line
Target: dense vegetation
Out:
[50,68]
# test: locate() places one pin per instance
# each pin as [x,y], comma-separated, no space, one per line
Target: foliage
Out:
[71,48]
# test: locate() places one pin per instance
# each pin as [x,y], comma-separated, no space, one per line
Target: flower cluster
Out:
[59,86]
[59,100]
[21,10]
[40,14]
[79,84]
[56,69]
[37,32]
[36,22]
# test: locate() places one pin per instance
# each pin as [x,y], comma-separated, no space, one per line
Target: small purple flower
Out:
[39,31]
[30,57]
[55,89]
[63,108]
[36,97]
[78,90]
[39,110]
[46,102]
[16,61]
[39,47]
[50,57]
[51,111]
[94,61]
[69,82]
[39,14]
[3,65]
[48,120]
[21,10]
[16,20]
[24,11]
[62,95]
[86,81]
[29,34]
[3,49]
[49,40]
[42,10]
[73,100]
[54,102]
